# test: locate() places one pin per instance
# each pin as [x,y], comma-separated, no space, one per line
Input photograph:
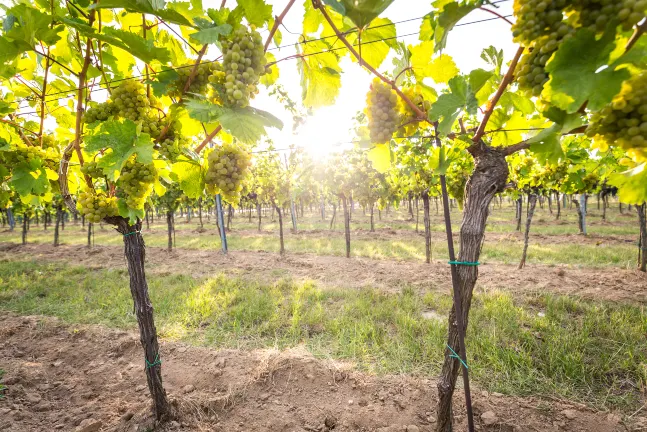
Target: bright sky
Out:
[329,128]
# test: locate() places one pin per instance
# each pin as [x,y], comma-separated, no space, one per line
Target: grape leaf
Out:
[246,124]
[420,58]
[442,69]
[121,140]
[320,75]
[154,7]
[578,72]
[427,28]
[493,57]
[27,26]
[632,184]
[30,178]
[361,12]
[449,105]
[380,157]
[129,213]
[312,19]
[211,35]
[257,12]
[451,14]
[376,41]
[190,178]
[163,82]
[270,78]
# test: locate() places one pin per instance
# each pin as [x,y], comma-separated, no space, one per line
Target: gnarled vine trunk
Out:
[519,212]
[24,228]
[334,213]
[488,178]
[169,229]
[532,202]
[372,217]
[59,213]
[258,210]
[135,251]
[279,211]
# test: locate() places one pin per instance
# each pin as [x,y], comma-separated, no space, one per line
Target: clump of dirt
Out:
[88,378]
[609,284]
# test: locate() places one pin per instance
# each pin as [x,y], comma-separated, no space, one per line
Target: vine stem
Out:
[79,96]
[507,79]
[42,100]
[277,23]
[18,126]
[638,31]
[497,14]
[419,113]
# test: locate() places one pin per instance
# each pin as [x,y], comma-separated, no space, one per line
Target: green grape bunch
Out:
[624,120]
[100,112]
[200,81]
[243,64]
[227,167]
[172,147]
[92,170]
[382,110]
[537,18]
[96,206]
[130,100]
[135,182]
[598,14]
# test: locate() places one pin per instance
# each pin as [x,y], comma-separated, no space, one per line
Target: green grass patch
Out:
[551,345]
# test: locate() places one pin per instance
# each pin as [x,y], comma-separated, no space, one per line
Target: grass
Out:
[382,245]
[2,386]
[543,345]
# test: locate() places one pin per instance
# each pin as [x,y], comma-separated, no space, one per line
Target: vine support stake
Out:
[462,352]
[221,223]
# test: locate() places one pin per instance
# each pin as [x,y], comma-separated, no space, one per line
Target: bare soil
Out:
[88,378]
[391,276]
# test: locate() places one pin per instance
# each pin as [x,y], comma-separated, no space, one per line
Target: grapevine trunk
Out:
[488,178]
[532,202]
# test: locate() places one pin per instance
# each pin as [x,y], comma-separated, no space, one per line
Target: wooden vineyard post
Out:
[221,223]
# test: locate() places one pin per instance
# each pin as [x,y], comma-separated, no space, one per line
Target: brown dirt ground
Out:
[88,378]
[328,271]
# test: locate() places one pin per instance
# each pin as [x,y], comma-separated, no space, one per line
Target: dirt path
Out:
[392,276]
[87,379]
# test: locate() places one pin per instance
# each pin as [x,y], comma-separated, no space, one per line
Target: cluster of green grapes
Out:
[597,14]
[92,169]
[100,112]
[415,95]
[536,18]
[172,146]
[227,167]
[531,72]
[243,63]
[624,120]
[49,142]
[152,125]
[198,83]
[136,182]
[25,153]
[382,110]
[542,25]
[130,100]
[96,206]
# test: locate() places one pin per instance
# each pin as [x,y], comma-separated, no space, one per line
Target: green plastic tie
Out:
[465,263]
[156,362]
[131,233]
[456,356]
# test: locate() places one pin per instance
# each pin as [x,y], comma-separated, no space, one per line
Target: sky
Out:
[330,128]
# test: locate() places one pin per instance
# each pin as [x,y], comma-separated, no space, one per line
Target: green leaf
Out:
[451,14]
[442,69]
[190,178]
[164,81]
[449,105]
[380,157]
[120,140]
[126,212]
[427,28]
[577,74]
[376,41]
[312,18]
[270,78]
[257,12]
[632,184]
[211,35]
[420,58]
[246,124]
[320,75]
[136,45]
[30,178]
[29,26]
[362,12]
[155,7]
[493,57]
